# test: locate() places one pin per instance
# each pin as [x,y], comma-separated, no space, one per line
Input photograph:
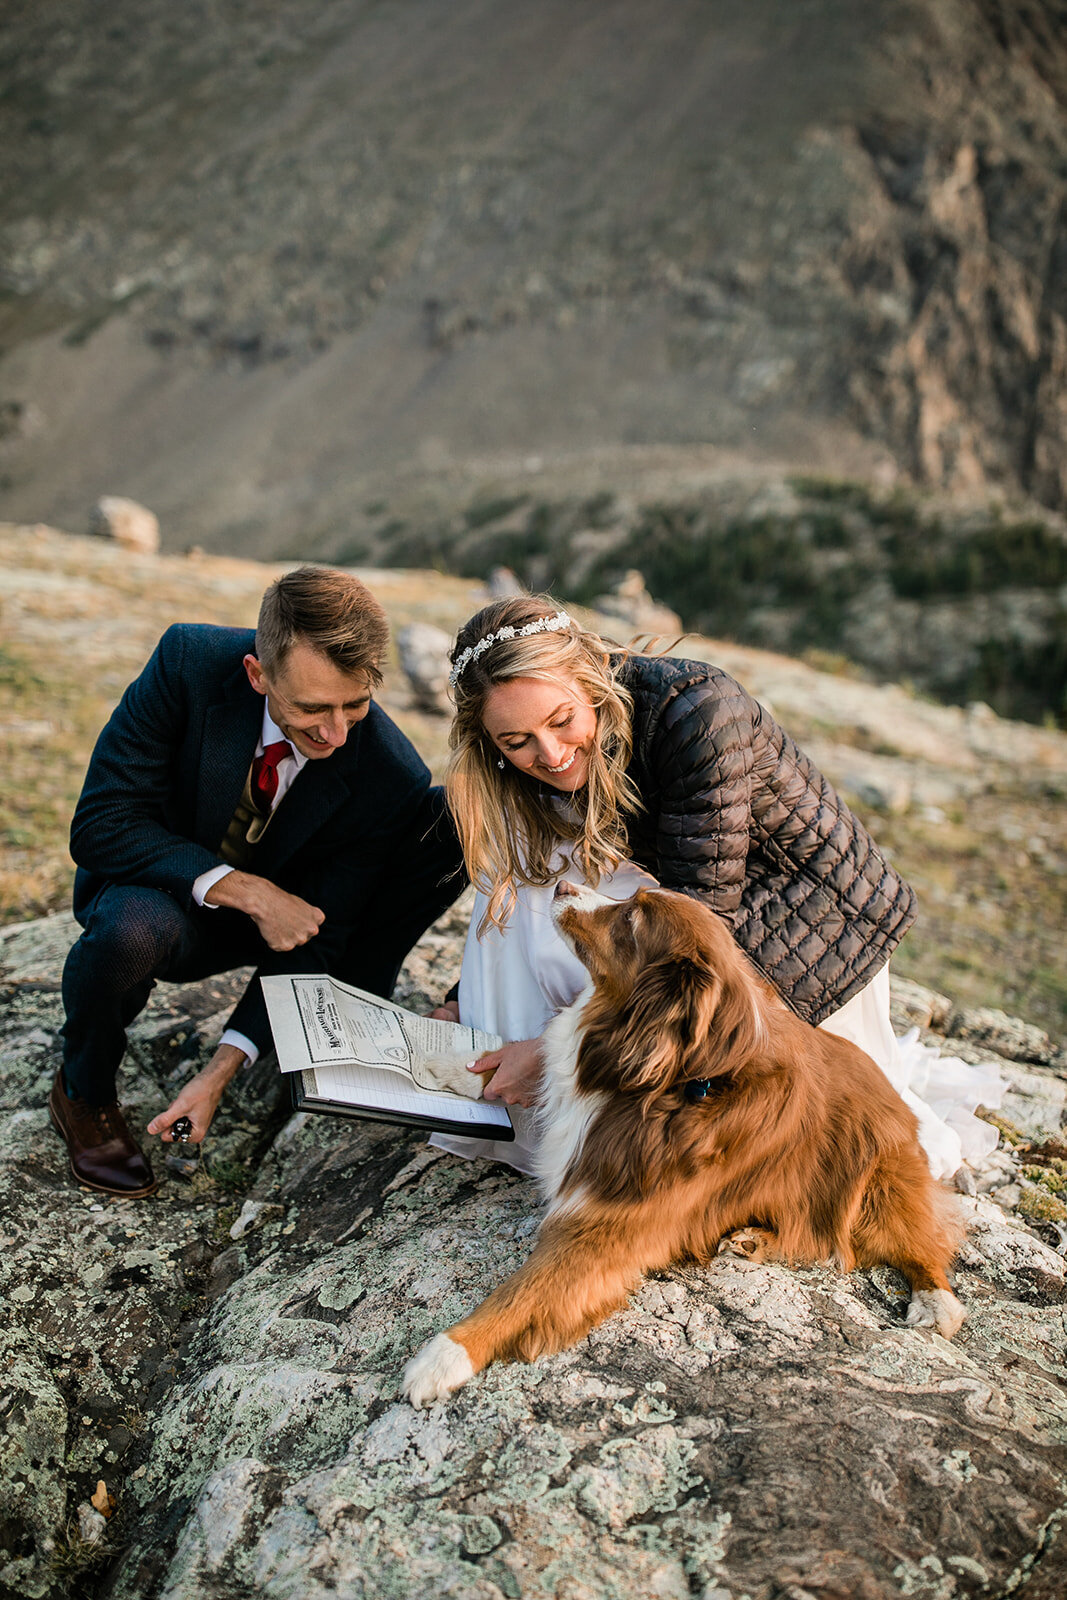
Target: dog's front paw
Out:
[938,1309]
[440,1366]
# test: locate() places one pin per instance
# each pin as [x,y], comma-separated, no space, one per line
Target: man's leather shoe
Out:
[103,1153]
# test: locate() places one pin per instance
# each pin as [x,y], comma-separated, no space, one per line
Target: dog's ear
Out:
[735,1031]
[685,1019]
[670,1006]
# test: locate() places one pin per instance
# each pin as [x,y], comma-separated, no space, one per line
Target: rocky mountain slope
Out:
[200,1391]
[264,267]
[223,1358]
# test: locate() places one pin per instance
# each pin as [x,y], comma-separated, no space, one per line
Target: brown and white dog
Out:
[686,1110]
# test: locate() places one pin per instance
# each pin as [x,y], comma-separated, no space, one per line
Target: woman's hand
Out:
[447,1011]
[516,1070]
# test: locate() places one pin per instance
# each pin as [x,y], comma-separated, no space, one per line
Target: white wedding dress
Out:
[515,979]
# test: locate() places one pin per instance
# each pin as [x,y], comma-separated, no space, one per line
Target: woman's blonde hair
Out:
[510,830]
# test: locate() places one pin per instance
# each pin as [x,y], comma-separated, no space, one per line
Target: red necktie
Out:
[265,773]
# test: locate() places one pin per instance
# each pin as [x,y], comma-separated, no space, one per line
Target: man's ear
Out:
[256,675]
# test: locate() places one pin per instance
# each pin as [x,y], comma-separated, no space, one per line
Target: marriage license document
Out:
[354,1054]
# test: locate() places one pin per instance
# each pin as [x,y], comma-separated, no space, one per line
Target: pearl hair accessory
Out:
[554,624]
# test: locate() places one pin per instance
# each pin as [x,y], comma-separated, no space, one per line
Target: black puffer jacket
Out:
[737,815]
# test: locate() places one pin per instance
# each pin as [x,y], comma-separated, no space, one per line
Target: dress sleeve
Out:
[701,758]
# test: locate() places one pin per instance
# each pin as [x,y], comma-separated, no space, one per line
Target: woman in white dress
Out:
[621,770]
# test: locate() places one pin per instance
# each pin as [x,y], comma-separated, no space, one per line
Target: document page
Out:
[320,1023]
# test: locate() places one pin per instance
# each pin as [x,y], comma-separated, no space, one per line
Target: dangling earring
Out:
[500,763]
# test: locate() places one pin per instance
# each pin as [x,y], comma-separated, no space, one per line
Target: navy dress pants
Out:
[134,936]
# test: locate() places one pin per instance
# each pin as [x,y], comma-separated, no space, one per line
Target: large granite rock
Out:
[740,1430]
[131,525]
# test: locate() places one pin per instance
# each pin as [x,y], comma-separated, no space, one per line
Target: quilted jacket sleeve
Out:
[736,815]
[700,756]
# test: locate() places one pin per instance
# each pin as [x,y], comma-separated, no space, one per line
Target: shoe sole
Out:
[98,1188]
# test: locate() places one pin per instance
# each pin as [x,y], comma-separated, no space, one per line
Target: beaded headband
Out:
[554,624]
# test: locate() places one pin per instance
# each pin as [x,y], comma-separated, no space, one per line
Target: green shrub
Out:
[925,562]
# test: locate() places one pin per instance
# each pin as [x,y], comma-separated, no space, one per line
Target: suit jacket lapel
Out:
[232,729]
[315,794]
[231,733]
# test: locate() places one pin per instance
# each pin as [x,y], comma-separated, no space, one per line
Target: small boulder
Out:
[92,1524]
[880,789]
[1008,1036]
[631,603]
[502,584]
[913,1006]
[129,524]
[423,651]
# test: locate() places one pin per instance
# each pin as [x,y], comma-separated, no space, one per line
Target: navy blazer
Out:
[169,768]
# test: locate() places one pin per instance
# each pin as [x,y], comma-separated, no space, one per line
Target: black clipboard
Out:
[405,1119]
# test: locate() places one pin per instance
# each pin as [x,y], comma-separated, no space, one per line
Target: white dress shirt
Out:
[288,768]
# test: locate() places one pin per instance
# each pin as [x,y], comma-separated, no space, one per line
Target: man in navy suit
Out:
[247,804]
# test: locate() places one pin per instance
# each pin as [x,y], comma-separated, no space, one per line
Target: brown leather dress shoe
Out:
[103,1153]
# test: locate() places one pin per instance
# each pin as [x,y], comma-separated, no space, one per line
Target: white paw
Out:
[440,1366]
[446,1070]
[935,1308]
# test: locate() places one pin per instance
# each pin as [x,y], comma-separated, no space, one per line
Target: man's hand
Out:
[199,1098]
[517,1073]
[447,1011]
[284,920]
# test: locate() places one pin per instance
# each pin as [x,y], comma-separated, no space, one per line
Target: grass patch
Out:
[832,661]
[1010,1134]
[988,926]
[1052,1177]
[74,1562]
[17,676]
[223,1221]
[933,561]
[834,491]
[233,1177]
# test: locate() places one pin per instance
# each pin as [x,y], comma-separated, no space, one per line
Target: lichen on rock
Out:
[736,1429]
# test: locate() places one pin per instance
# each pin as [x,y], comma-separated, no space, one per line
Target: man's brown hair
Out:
[330,610]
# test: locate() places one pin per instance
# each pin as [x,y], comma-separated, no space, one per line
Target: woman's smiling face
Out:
[545,728]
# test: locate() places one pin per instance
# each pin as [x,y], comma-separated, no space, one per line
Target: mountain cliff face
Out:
[265,265]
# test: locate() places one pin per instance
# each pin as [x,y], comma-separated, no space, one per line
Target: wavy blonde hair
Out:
[510,831]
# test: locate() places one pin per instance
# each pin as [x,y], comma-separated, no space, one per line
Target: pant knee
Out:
[132,934]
